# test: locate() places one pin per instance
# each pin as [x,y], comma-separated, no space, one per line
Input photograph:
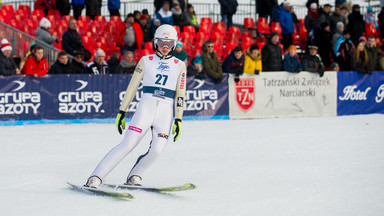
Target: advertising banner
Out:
[360,93]
[71,98]
[282,94]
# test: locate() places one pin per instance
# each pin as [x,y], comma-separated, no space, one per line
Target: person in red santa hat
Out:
[8,66]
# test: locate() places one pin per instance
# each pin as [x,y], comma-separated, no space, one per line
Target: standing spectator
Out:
[359,60]
[286,23]
[156,23]
[291,62]
[159,4]
[324,41]
[113,63]
[77,6]
[296,21]
[42,33]
[71,38]
[356,24]
[252,60]
[191,15]
[311,19]
[338,33]
[136,16]
[76,64]
[343,51]
[129,35]
[61,66]
[271,54]
[93,8]
[370,17]
[211,63]
[381,21]
[179,17]
[63,6]
[341,2]
[196,68]
[114,7]
[165,14]
[264,7]
[311,61]
[127,64]
[8,66]
[45,5]
[310,2]
[372,52]
[276,13]
[98,66]
[325,13]
[234,62]
[335,18]
[180,53]
[36,63]
[227,9]
[145,28]
[344,13]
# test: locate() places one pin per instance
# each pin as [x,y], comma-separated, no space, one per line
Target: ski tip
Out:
[190,186]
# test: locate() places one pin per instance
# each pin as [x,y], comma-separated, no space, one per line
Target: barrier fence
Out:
[97,98]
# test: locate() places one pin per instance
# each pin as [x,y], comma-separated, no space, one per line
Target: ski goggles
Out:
[165,43]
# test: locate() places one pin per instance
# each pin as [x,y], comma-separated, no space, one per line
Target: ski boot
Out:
[93,182]
[134,180]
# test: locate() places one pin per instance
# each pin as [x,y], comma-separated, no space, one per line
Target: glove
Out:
[176,129]
[237,78]
[321,73]
[120,121]
[257,72]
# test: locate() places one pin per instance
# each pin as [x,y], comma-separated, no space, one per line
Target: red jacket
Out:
[33,66]
[121,30]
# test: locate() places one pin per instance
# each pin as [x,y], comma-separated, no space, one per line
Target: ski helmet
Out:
[165,35]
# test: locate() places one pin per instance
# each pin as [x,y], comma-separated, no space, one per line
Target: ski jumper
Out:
[164,81]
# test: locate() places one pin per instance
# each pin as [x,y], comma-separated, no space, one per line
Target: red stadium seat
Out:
[370,29]
[249,23]
[275,26]
[39,13]
[206,20]
[115,19]
[87,41]
[148,45]
[262,26]
[85,18]
[217,37]
[9,8]
[23,13]
[206,30]
[101,19]
[260,45]
[232,37]
[56,13]
[67,18]
[190,29]
[234,29]
[25,8]
[219,27]
[177,30]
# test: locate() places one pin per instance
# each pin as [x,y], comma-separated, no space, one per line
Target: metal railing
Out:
[21,43]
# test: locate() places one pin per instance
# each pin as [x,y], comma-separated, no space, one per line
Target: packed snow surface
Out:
[331,166]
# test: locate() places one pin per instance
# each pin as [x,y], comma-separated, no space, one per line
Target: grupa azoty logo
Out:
[80,101]
[197,99]
[18,101]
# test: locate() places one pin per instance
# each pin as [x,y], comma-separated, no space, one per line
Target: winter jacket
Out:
[381,22]
[324,41]
[146,29]
[286,21]
[271,57]
[311,20]
[228,6]
[265,7]
[356,25]
[94,68]
[212,65]
[93,7]
[78,2]
[59,68]
[252,64]
[45,5]
[71,41]
[312,63]
[336,37]
[275,13]
[359,64]
[77,67]
[179,19]
[291,64]
[33,66]
[7,65]
[333,19]
[165,17]
[372,58]
[345,51]
[113,64]
[122,29]
[183,56]
[43,34]
[63,6]
[233,65]
[126,67]
[113,4]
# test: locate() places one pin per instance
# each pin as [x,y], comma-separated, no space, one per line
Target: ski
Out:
[184,187]
[102,192]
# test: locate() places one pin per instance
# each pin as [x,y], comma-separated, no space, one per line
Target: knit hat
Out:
[313,6]
[286,3]
[324,25]
[197,59]
[100,52]
[179,44]
[333,65]
[253,47]
[274,33]
[5,45]
[339,24]
[369,10]
[45,23]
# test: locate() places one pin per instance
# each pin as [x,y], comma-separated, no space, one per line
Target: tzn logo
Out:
[351,94]
[19,102]
[80,101]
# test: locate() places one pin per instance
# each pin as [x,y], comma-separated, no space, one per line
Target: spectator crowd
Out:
[336,40]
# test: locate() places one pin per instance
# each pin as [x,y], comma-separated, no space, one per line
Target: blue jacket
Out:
[113,4]
[286,21]
[233,65]
[291,64]
[78,2]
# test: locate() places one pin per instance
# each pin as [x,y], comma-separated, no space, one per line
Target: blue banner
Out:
[92,98]
[360,93]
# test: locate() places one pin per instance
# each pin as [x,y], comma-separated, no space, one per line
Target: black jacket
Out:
[71,41]
[356,25]
[77,68]
[113,64]
[271,57]
[228,6]
[59,68]
[312,63]
[7,65]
